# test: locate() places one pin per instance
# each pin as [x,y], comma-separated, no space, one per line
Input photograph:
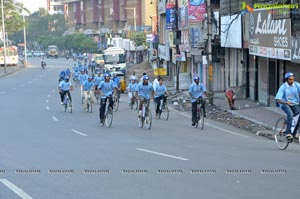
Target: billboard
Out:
[197,11]
[268,37]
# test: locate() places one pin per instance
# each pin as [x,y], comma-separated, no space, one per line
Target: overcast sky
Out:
[34,5]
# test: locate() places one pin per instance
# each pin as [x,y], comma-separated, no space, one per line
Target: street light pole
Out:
[25,40]
[209,52]
[3,34]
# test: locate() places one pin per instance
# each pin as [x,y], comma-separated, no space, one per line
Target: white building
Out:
[55,6]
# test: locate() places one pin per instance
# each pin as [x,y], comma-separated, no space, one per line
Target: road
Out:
[50,154]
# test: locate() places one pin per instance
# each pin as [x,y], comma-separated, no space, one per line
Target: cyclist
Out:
[133,76]
[144,91]
[82,77]
[106,88]
[117,83]
[196,89]
[160,92]
[131,89]
[88,86]
[62,76]
[64,88]
[288,99]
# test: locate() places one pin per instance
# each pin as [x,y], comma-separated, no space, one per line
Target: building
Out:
[55,6]
[108,16]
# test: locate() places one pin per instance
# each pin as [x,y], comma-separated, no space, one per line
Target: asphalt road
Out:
[50,154]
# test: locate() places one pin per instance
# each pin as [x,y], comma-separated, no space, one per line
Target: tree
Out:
[12,15]
[139,38]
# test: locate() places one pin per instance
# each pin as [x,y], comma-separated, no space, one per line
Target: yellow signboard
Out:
[160,72]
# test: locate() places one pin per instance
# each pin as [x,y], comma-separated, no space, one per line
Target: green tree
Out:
[139,38]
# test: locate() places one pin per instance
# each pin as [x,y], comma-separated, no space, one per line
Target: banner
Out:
[197,11]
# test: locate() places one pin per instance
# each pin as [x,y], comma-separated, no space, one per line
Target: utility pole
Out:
[25,40]
[209,52]
[3,34]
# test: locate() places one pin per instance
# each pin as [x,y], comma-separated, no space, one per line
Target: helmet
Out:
[288,74]
[106,75]
[82,70]
[196,78]
[90,77]
[145,77]
[67,77]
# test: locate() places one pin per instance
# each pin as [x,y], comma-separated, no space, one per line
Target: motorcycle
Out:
[43,64]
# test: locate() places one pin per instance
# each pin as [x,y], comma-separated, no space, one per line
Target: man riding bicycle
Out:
[144,91]
[88,86]
[196,89]
[160,92]
[131,89]
[288,99]
[106,88]
[64,88]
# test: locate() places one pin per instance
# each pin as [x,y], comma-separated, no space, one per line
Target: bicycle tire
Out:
[70,106]
[65,103]
[197,118]
[201,119]
[135,105]
[90,105]
[109,117]
[140,121]
[148,120]
[116,105]
[165,112]
[280,139]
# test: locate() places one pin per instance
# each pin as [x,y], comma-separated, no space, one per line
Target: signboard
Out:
[171,18]
[164,52]
[183,14]
[231,31]
[296,49]
[197,11]
[269,38]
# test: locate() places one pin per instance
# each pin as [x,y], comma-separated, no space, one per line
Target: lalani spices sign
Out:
[269,38]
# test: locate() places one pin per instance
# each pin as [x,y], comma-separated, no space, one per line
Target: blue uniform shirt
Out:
[117,82]
[145,90]
[82,78]
[107,87]
[289,93]
[88,86]
[196,91]
[65,86]
[132,87]
[160,90]
[98,80]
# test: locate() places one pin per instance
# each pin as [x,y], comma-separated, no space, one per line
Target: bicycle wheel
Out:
[116,104]
[135,105]
[70,105]
[201,119]
[197,117]
[90,105]
[280,127]
[65,104]
[109,117]
[140,121]
[148,120]
[165,112]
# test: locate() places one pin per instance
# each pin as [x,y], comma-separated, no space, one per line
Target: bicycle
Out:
[67,103]
[108,115]
[134,102]
[200,114]
[116,98]
[89,106]
[146,116]
[281,140]
[163,109]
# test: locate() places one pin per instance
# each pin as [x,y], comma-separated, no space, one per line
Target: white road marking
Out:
[54,118]
[2,92]
[35,79]
[48,108]
[47,101]
[161,154]
[79,133]
[49,96]
[214,126]
[15,189]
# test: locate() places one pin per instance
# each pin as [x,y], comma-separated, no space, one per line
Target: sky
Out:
[33,5]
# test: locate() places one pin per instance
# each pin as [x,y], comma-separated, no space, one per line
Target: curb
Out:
[12,71]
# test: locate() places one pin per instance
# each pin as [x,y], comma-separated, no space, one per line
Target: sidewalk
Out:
[10,70]
[246,109]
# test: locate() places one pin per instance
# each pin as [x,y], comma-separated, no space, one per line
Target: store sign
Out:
[269,38]
[171,18]
[296,49]
[164,52]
